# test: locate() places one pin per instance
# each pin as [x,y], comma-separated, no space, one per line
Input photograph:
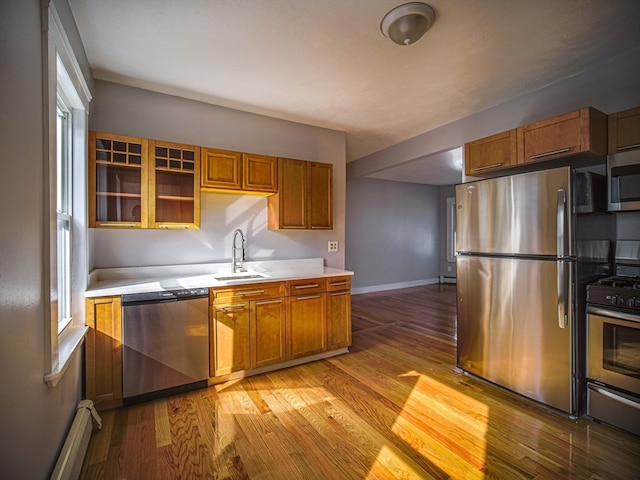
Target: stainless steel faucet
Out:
[236,264]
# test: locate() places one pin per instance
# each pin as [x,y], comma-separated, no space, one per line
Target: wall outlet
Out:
[448,268]
[333,246]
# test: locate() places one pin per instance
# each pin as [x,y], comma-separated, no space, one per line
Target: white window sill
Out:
[69,344]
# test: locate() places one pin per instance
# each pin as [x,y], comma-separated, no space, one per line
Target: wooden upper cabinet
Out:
[118,181]
[236,172]
[305,196]
[490,153]
[259,173]
[288,208]
[624,130]
[174,185]
[582,131]
[221,169]
[141,183]
[320,195]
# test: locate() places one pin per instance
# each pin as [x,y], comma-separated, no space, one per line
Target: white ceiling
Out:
[326,63]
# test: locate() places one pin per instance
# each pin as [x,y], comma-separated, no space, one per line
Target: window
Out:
[64,188]
[451,229]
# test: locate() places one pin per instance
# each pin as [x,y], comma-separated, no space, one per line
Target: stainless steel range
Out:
[613,342]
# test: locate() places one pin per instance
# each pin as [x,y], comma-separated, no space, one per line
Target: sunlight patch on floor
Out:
[394,464]
[446,415]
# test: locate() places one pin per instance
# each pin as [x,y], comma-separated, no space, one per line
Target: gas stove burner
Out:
[615,292]
[620,282]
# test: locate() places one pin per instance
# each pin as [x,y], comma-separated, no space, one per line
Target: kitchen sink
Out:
[238,276]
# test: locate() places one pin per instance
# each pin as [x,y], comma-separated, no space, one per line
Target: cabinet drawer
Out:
[305,286]
[338,284]
[252,291]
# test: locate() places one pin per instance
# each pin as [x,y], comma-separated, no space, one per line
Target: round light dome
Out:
[407,23]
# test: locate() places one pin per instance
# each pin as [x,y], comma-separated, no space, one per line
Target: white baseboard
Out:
[445,279]
[393,286]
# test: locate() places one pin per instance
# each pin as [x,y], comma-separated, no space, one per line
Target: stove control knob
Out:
[636,301]
[612,299]
[620,300]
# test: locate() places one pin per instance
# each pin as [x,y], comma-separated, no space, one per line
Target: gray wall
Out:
[393,237]
[35,418]
[136,112]
[628,226]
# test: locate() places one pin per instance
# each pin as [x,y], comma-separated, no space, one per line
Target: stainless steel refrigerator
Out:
[520,302]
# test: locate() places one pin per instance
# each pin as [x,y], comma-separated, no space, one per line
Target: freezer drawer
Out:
[511,327]
[526,214]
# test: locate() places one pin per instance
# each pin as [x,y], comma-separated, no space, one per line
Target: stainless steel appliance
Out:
[623,177]
[613,342]
[521,280]
[165,343]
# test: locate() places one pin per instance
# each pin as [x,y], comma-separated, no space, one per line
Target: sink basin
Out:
[238,276]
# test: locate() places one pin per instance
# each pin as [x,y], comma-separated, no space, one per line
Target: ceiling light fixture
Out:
[406,23]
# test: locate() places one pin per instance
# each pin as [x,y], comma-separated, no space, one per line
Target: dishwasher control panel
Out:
[164,295]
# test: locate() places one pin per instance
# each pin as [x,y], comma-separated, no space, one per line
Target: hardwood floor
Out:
[394,407]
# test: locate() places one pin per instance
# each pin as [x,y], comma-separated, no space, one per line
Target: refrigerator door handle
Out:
[562,294]
[561,213]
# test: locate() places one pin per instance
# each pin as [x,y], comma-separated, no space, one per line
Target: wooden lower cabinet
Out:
[247,327]
[230,332]
[338,312]
[103,352]
[306,325]
[267,332]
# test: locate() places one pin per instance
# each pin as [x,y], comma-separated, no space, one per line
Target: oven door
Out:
[613,349]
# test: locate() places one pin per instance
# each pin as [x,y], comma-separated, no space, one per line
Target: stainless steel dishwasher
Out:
[165,341]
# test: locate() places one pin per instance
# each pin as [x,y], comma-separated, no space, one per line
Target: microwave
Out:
[623,181]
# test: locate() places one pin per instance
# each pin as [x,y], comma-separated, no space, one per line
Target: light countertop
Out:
[120,281]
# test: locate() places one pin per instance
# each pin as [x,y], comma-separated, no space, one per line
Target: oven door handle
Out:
[615,397]
[611,314]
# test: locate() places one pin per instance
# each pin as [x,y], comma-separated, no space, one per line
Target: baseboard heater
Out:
[75,446]
[444,279]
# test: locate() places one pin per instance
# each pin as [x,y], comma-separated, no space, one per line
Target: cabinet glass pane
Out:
[115,179]
[174,197]
[111,208]
[118,193]
[174,211]
[174,184]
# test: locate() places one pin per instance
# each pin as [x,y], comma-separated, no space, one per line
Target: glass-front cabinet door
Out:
[117,181]
[174,185]
[141,183]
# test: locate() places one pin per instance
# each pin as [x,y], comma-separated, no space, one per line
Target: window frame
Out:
[64,83]
[451,229]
